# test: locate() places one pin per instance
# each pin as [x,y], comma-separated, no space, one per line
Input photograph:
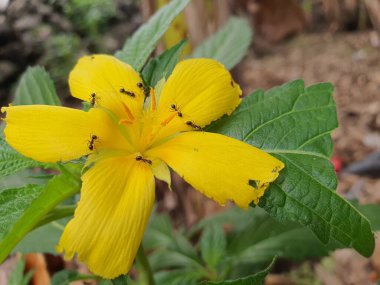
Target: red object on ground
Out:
[338,163]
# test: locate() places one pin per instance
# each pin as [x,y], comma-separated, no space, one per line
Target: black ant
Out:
[174,108]
[194,126]
[140,158]
[145,88]
[92,142]
[129,93]
[93,99]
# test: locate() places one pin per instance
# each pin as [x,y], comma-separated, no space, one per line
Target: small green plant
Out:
[268,153]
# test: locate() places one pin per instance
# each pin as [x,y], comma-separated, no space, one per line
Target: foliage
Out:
[304,216]
[65,277]
[89,15]
[32,211]
[36,87]
[294,123]
[163,65]
[138,48]
[11,161]
[229,45]
[60,55]
[17,276]
[253,239]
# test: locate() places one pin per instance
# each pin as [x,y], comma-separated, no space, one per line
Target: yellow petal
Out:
[198,91]
[52,133]
[220,167]
[116,85]
[116,202]
[161,172]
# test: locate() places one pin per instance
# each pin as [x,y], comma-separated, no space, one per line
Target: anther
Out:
[140,158]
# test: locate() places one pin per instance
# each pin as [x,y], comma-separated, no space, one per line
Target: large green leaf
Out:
[254,238]
[255,279]
[169,249]
[163,65]
[36,87]
[13,202]
[57,190]
[138,48]
[229,45]
[11,161]
[213,245]
[294,124]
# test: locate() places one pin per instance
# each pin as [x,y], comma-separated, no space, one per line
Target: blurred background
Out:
[317,40]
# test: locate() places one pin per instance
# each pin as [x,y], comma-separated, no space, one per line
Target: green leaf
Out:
[185,276]
[294,123]
[65,277]
[229,45]
[263,237]
[163,65]
[213,245]
[255,279]
[169,249]
[138,48]
[36,87]
[17,276]
[57,190]
[13,202]
[11,161]
[121,280]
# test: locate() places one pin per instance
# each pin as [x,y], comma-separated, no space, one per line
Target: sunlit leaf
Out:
[229,45]
[138,48]
[36,87]
[294,124]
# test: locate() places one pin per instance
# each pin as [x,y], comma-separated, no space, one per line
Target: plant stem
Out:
[144,269]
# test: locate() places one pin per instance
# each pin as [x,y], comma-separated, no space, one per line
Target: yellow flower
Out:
[129,141]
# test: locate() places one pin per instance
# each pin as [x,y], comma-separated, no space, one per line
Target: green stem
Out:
[144,269]
[57,213]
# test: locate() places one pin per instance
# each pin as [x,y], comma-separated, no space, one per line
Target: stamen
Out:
[168,119]
[128,111]
[125,122]
[152,100]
